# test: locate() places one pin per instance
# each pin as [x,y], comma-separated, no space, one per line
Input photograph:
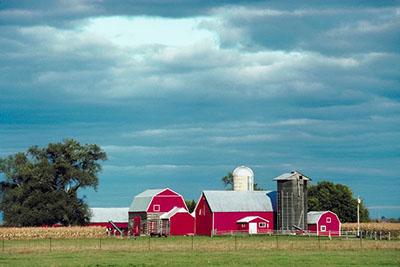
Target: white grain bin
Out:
[243,179]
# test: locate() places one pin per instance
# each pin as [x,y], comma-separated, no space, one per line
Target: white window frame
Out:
[262,224]
[323,228]
[328,219]
[156,207]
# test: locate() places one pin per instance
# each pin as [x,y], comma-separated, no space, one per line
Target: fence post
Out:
[277,243]
[235,243]
[149,241]
[375,234]
[50,243]
[361,239]
[319,241]
[100,243]
[389,236]
[192,242]
[3,244]
[380,235]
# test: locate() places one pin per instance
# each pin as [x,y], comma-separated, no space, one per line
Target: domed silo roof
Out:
[243,171]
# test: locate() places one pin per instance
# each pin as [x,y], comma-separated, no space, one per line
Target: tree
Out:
[228,182]
[40,187]
[191,205]
[337,198]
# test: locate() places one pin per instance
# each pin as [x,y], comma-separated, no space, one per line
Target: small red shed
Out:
[148,206]
[181,222]
[217,212]
[254,225]
[323,223]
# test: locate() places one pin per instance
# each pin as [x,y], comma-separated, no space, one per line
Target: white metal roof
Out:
[249,219]
[142,201]
[172,212]
[232,201]
[313,216]
[291,176]
[109,214]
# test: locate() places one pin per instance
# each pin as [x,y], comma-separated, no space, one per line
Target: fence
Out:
[228,242]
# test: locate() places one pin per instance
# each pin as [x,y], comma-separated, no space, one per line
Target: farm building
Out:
[253,225]
[323,223]
[291,201]
[218,212]
[104,217]
[147,208]
[181,222]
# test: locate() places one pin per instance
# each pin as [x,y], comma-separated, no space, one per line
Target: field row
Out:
[195,243]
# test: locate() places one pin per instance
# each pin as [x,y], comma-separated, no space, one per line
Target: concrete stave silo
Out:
[243,179]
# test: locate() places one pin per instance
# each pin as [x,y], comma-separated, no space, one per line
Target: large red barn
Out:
[219,212]
[323,223]
[148,206]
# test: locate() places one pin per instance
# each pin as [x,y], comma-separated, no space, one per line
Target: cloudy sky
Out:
[179,93]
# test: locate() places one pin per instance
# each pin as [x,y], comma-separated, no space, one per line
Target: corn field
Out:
[16,233]
[393,228]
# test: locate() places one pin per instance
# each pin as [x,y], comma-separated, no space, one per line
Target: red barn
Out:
[218,212]
[180,220]
[148,206]
[323,223]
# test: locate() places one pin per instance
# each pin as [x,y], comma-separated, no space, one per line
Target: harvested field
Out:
[16,233]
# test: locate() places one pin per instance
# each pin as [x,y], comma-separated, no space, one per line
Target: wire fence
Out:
[232,241]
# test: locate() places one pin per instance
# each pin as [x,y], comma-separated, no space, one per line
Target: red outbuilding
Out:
[217,212]
[254,225]
[148,206]
[323,223]
[181,222]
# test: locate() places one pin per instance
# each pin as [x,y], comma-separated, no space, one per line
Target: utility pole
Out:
[358,215]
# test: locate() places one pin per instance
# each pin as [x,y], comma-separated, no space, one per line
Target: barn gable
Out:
[141,202]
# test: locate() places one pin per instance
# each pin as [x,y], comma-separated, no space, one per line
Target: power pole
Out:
[358,215]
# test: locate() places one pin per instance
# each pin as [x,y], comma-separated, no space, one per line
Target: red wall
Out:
[226,221]
[108,225]
[203,218]
[182,224]
[167,200]
[333,226]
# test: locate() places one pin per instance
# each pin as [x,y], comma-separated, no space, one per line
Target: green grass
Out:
[187,251]
[201,258]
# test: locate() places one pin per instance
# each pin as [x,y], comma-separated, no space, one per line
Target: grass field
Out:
[201,258]
[187,251]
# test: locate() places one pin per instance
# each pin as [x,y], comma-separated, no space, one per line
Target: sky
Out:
[179,93]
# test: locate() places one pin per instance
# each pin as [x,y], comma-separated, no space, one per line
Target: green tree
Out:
[191,205]
[337,198]
[228,182]
[40,187]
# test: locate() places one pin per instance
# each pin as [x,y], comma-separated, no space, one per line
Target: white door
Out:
[252,228]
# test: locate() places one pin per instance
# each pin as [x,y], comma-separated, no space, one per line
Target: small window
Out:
[199,212]
[328,219]
[243,224]
[156,207]
[204,210]
[262,224]
[323,228]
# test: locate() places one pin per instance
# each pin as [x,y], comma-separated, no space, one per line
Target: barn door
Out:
[252,228]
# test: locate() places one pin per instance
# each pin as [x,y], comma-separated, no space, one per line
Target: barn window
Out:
[328,219]
[262,224]
[323,228]
[204,209]
[156,207]
[243,224]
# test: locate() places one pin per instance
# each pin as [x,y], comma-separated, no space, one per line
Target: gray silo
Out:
[291,201]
